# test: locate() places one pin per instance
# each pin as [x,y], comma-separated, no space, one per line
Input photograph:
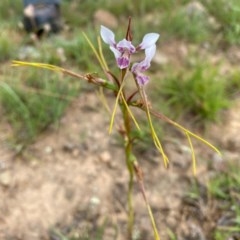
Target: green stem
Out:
[129,198]
[139,175]
[129,162]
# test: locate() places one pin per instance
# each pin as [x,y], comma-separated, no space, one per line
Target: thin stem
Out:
[153,132]
[128,156]
[139,175]
[129,162]
[130,191]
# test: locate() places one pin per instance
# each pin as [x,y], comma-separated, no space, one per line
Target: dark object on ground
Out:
[42,16]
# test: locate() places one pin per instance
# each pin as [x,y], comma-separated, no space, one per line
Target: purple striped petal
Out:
[142,79]
[124,45]
[123,62]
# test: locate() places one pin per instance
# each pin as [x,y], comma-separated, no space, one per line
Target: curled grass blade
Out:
[195,136]
[22,107]
[49,67]
[153,132]
[183,129]
[156,235]
[140,180]
[98,56]
[193,154]
[35,64]
[101,54]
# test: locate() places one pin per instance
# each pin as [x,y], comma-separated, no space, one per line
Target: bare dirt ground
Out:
[74,179]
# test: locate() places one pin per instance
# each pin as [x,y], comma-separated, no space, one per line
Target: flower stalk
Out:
[129,158]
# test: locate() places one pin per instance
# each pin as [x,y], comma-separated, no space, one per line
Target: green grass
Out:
[220,199]
[84,233]
[8,46]
[10,11]
[37,101]
[199,93]
[227,14]
[233,84]
[182,25]
[225,188]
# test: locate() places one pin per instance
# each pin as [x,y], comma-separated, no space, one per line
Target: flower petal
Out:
[142,79]
[116,53]
[150,52]
[107,36]
[124,44]
[123,62]
[149,40]
[138,69]
[134,68]
[146,63]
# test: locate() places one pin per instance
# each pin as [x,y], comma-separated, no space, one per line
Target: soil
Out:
[73,181]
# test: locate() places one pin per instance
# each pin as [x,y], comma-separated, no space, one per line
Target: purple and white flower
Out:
[124,48]
[138,68]
[121,50]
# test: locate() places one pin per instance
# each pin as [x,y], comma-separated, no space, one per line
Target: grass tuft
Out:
[31,107]
[227,14]
[200,93]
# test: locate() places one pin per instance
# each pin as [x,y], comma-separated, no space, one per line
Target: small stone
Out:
[105,157]
[172,220]
[191,231]
[95,201]
[185,149]
[218,163]
[68,147]
[213,23]
[4,164]
[195,8]
[75,152]
[28,52]
[61,54]
[5,179]
[48,150]
[103,17]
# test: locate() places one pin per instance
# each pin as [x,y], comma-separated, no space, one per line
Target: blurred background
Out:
[55,149]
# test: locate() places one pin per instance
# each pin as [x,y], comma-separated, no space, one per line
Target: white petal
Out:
[116,53]
[150,52]
[107,35]
[149,40]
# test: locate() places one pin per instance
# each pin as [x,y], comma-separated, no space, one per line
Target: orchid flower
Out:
[121,50]
[124,48]
[138,68]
